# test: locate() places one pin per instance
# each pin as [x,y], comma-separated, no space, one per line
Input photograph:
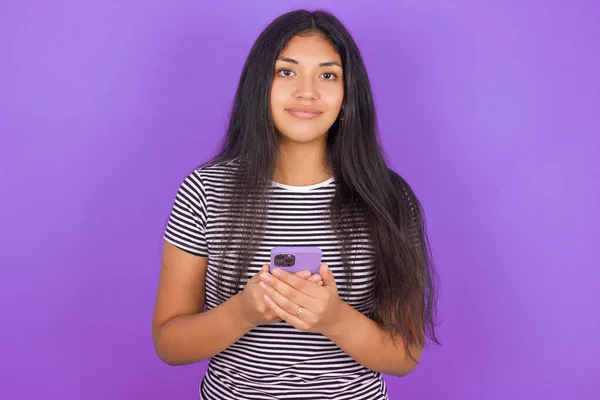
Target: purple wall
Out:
[492,112]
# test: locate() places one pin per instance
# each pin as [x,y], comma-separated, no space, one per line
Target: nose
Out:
[306,88]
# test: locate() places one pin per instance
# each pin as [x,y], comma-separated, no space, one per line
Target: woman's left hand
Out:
[303,304]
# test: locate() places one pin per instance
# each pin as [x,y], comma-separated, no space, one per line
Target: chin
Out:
[302,137]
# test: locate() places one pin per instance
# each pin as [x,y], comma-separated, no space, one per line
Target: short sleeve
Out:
[413,206]
[415,228]
[186,226]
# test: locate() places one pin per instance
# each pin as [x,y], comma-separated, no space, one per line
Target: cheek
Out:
[335,103]
[277,106]
[334,96]
[278,95]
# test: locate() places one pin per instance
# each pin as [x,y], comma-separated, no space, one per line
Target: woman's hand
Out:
[303,304]
[254,308]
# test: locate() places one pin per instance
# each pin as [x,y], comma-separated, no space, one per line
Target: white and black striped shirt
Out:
[277,361]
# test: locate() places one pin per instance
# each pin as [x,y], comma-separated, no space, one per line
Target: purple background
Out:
[491,111]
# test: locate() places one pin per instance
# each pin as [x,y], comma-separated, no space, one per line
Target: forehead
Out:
[309,48]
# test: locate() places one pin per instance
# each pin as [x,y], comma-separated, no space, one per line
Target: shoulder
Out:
[404,193]
[400,185]
[208,176]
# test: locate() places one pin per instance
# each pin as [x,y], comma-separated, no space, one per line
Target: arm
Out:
[324,312]
[367,343]
[181,331]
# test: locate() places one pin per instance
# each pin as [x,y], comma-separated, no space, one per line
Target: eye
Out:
[329,76]
[285,72]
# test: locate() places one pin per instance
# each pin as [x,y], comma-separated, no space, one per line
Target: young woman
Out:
[300,166]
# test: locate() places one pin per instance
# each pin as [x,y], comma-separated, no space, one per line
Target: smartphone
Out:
[294,259]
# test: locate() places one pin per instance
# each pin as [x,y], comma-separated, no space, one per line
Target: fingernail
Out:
[305,274]
[276,272]
[265,277]
[263,285]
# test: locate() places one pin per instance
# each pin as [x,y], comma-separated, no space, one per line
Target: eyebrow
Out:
[324,64]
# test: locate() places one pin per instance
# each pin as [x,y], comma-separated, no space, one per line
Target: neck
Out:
[301,164]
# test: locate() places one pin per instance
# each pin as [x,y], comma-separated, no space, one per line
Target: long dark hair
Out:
[405,294]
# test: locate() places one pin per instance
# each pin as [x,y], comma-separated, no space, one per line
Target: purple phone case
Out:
[307,258]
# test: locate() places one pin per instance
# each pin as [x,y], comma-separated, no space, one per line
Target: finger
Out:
[317,279]
[293,320]
[272,317]
[256,278]
[328,279]
[272,285]
[286,304]
[304,286]
[303,274]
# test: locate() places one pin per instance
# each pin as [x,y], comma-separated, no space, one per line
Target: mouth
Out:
[304,113]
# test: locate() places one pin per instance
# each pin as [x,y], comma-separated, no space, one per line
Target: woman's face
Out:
[308,89]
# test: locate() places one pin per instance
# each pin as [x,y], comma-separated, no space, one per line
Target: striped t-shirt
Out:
[277,361]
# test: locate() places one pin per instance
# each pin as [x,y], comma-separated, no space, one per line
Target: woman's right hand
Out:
[254,308]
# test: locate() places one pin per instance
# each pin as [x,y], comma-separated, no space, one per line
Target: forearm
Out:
[187,339]
[367,343]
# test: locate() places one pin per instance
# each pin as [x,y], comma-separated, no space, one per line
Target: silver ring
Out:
[299,311]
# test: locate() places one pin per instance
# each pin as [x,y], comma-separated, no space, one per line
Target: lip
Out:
[304,112]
